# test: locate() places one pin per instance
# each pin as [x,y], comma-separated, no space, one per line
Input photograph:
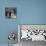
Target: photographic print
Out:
[33,32]
[29,34]
[10,12]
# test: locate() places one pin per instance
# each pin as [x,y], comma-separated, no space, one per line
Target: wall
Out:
[33,12]
[8,25]
[28,12]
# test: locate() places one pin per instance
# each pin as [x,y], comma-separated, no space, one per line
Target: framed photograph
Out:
[10,12]
[32,32]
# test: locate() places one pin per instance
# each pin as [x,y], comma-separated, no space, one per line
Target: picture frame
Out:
[11,12]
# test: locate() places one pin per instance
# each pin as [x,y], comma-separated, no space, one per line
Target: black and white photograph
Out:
[31,34]
[10,12]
